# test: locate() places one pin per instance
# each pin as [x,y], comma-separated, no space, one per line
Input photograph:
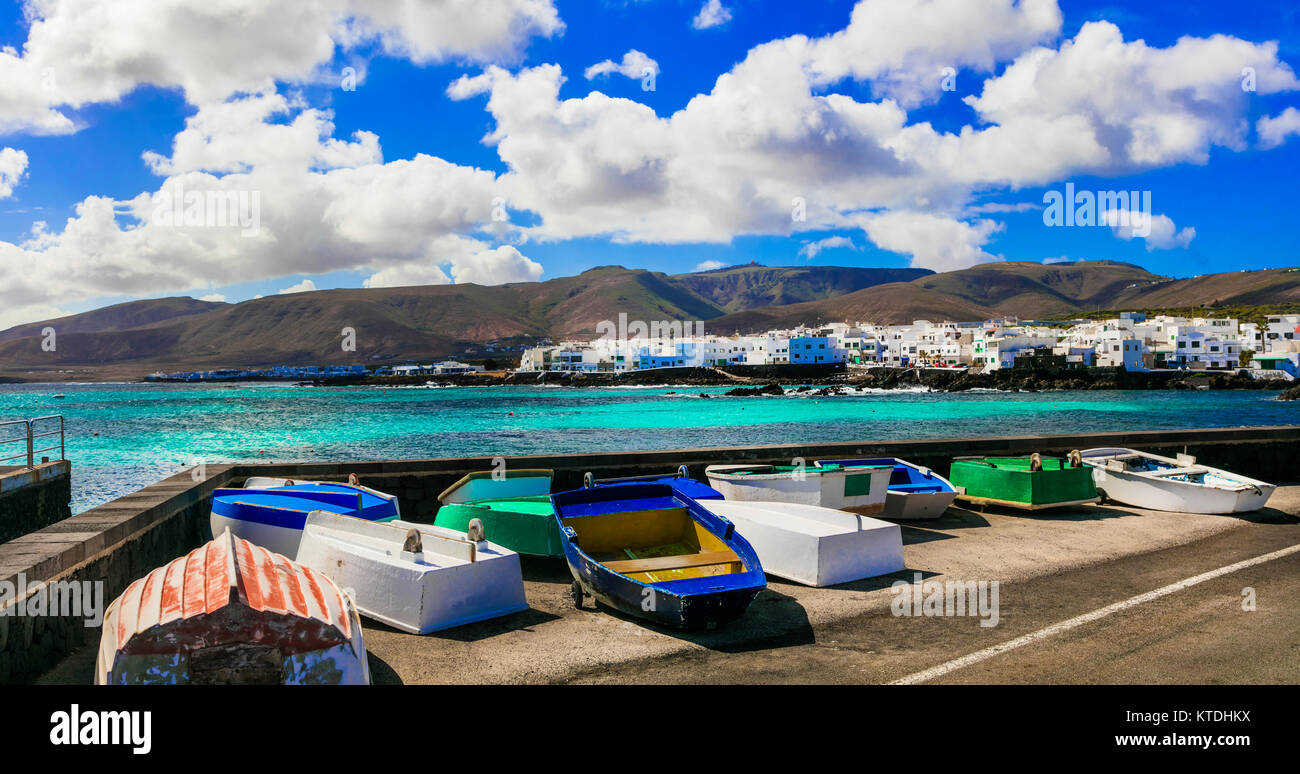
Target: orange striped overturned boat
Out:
[231,612]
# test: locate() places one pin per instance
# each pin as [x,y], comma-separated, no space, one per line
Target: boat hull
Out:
[452,582]
[1173,495]
[526,525]
[270,482]
[702,592]
[495,485]
[516,509]
[816,546]
[659,604]
[231,612]
[1009,482]
[274,518]
[909,506]
[274,538]
[914,492]
[861,491]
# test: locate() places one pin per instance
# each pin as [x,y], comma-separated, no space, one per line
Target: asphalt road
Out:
[1198,635]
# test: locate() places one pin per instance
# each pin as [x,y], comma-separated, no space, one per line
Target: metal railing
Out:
[29,438]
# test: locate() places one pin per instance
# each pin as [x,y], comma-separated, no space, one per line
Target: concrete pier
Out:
[122,540]
[32,498]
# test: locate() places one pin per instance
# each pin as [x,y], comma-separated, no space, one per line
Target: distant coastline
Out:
[749,380]
[830,378]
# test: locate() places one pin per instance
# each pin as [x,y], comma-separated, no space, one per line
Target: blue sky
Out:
[1240,201]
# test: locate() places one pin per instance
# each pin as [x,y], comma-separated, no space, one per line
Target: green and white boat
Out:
[513,505]
[1030,483]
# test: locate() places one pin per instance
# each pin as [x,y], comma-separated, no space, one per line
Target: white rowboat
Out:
[1157,483]
[859,489]
[914,492]
[415,577]
[813,545]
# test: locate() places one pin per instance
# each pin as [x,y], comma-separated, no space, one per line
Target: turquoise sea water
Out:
[147,432]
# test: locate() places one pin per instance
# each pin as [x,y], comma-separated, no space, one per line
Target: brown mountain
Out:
[397,324]
[738,288]
[119,317]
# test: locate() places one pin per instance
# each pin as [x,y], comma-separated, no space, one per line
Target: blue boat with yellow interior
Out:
[651,550]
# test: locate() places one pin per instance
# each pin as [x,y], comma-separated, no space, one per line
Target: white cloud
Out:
[903,46]
[1274,130]
[634,65]
[323,205]
[467,260]
[708,265]
[408,275]
[735,160]
[769,139]
[810,250]
[302,287]
[13,165]
[1127,105]
[1158,231]
[712,14]
[216,298]
[496,267]
[21,314]
[933,242]
[988,207]
[80,52]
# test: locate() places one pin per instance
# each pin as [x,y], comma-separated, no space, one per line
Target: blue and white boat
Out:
[274,518]
[267,482]
[652,551]
[914,492]
[680,481]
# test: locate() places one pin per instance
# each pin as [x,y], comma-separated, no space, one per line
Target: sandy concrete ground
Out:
[1051,566]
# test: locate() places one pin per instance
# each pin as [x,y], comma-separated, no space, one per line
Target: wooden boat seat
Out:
[680,562]
[916,488]
[1192,471]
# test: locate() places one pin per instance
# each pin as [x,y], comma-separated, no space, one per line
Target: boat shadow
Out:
[1265,516]
[545,569]
[380,672]
[480,630]
[954,518]
[773,620]
[1064,513]
[906,575]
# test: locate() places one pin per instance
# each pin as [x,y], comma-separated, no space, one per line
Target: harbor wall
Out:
[118,542]
[1268,453]
[32,498]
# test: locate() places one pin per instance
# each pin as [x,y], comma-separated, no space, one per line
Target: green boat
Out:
[1030,483]
[513,505]
[526,525]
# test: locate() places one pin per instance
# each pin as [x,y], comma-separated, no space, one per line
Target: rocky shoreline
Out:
[772,380]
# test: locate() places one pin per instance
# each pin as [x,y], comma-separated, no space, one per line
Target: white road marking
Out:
[1057,628]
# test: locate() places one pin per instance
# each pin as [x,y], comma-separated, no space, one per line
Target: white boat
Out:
[414,577]
[269,482]
[813,545]
[915,492]
[1179,484]
[859,489]
[498,484]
